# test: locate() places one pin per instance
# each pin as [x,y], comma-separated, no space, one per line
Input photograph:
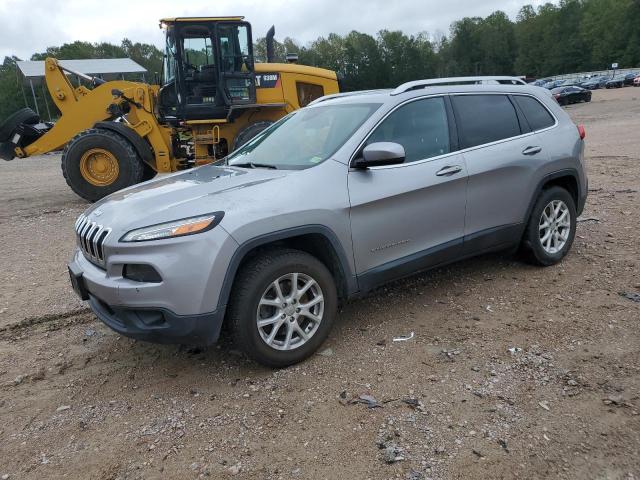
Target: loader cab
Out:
[208,68]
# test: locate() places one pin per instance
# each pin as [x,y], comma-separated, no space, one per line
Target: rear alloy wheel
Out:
[98,162]
[551,228]
[282,307]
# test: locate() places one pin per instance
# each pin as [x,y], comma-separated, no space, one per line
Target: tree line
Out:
[572,36]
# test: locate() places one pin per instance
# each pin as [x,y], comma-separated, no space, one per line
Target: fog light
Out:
[141,273]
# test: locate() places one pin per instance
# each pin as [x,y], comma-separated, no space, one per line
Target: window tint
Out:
[484,119]
[420,127]
[537,116]
[308,92]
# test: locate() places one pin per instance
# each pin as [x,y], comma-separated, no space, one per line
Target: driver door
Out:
[237,75]
[408,217]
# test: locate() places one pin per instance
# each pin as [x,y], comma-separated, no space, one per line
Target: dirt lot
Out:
[79,401]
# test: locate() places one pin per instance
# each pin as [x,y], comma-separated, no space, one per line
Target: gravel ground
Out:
[513,372]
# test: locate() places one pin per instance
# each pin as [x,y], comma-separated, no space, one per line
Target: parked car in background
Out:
[615,82]
[572,94]
[553,84]
[595,83]
[636,81]
[541,82]
[629,78]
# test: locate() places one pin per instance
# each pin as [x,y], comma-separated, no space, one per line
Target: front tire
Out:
[282,308]
[98,162]
[551,228]
[24,115]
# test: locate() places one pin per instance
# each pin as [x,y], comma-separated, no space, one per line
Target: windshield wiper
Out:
[254,165]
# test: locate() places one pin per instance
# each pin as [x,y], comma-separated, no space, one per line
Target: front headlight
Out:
[178,228]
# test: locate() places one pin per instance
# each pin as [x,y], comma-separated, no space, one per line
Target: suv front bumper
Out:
[182,308]
[160,325]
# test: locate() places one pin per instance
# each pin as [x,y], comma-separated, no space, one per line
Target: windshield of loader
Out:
[304,138]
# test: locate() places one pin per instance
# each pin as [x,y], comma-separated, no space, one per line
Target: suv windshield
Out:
[304,138]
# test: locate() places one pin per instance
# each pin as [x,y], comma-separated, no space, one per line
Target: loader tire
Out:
[98,162]
[149,173]
[250,131]
[24,115]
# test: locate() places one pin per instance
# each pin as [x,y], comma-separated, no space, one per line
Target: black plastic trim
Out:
[582,195]
[141,145]
[240,253]
[202,329]
[414,263]
[490,239]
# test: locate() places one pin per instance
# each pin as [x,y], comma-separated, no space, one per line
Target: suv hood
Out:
[194,192]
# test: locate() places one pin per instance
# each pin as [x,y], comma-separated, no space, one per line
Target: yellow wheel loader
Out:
[213,98]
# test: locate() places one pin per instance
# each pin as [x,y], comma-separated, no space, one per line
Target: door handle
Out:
[531,150]
[449,170]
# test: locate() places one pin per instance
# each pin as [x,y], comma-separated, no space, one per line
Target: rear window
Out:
[484,119]
[537,116]
[308,92]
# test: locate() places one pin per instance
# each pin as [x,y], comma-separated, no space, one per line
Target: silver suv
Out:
[330,202]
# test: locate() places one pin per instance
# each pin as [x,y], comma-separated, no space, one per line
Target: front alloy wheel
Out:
[283,304]
[290,311]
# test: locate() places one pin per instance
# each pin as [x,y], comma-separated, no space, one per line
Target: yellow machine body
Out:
[81,108]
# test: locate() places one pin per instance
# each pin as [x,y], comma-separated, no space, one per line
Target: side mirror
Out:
[379,154]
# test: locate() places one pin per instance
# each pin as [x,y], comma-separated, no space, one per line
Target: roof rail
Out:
[346,94]
[490,80]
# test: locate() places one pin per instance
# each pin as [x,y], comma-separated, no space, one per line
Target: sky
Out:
[31,26]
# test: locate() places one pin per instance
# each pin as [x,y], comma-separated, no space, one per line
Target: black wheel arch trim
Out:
[239,255]
[572,172]
[141,146]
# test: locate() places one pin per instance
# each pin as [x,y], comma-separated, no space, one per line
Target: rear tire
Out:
[250,131]
[24,115]
[97,162]
[539,248]
[249,304]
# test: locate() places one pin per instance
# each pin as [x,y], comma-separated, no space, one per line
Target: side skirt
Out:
[490,240]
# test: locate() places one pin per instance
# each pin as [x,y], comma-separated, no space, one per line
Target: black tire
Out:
[250,131]
[149,173]
[7,151]
[130,166]
[252,282]
[24,115]
[531,242]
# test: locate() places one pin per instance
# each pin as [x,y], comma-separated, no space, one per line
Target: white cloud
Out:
[31,26]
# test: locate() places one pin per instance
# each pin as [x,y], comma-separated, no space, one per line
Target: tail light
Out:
[582,132]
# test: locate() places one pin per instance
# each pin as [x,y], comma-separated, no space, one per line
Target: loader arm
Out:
[82,108]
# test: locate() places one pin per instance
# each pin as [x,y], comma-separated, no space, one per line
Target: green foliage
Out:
[572,36]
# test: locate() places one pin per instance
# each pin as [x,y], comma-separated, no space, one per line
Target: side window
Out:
[308,92]
[537,115]
[421,127]
[484,119]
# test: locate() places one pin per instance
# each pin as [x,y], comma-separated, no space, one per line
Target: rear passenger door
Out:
[501,156]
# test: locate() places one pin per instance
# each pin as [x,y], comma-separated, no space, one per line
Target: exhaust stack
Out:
[269,40]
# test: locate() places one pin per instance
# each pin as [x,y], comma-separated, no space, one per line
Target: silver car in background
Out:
[330,202]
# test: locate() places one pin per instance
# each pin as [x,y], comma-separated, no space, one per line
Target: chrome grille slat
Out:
[91,237]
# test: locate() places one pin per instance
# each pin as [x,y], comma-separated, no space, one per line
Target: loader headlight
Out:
[177,228]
